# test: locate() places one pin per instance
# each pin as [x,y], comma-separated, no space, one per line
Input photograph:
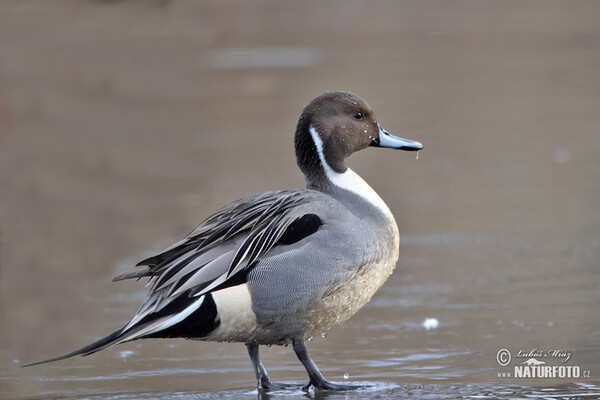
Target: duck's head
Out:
[332,127]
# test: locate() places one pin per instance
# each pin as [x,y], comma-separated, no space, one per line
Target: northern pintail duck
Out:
[283,266]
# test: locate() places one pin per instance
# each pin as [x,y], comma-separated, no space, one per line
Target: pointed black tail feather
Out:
[87,350]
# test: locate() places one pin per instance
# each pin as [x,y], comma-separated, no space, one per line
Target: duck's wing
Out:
[220,252]
[217,254]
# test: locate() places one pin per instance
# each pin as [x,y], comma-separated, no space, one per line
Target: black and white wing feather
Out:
[217,254]
[220,252]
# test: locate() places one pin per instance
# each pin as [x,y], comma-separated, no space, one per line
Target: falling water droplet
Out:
[417,155]
[324,335]
[346,375]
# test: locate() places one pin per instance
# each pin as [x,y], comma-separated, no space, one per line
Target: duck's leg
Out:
[316,378]
[262,377]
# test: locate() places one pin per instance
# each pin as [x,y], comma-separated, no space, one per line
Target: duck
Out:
[279,267]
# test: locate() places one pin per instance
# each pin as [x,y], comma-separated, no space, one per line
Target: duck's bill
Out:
[390,141]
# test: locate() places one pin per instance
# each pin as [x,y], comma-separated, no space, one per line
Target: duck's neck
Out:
[332,182]
[352,182]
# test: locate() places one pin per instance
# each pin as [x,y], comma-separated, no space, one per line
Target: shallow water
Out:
[371,390]
[124,124]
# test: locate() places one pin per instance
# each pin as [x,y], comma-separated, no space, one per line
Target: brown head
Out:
[332,127]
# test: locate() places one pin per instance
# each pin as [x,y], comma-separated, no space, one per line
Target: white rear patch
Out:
[234,308]
[349,180]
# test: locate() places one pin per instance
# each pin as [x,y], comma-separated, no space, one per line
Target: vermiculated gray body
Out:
[329,275]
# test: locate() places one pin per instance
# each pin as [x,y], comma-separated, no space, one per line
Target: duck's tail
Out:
[185,317]
[113,338]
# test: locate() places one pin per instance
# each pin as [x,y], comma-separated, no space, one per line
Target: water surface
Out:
[124,124]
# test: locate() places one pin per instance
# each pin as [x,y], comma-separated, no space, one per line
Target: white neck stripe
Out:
[348,180]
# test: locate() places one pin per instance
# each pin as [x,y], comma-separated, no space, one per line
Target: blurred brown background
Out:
[124,123]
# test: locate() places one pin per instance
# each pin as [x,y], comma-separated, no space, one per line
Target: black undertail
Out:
[196,326]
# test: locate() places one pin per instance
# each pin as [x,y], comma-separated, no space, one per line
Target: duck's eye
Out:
[358,115]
